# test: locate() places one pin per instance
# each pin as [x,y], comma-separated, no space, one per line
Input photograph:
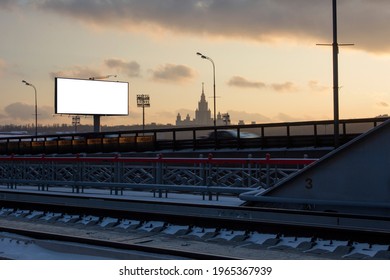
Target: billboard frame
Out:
[63,110]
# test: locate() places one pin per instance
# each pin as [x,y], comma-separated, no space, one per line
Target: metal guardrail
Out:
[292,134]
[206,176]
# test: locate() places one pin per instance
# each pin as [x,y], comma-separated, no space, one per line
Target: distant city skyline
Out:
[268,67]
[203,115]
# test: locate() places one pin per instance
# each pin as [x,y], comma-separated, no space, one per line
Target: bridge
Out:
[272,135]
[115,175]
[347,188]
[251,178]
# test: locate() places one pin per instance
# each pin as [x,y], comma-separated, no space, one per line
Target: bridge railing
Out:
[119,174]
[291,134]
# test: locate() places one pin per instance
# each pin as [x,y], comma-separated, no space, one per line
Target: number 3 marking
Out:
[309,183]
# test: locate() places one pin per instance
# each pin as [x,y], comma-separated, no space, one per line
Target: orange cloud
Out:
[129,68]
[283,87]
[173,73]
[81,72]
[238,81]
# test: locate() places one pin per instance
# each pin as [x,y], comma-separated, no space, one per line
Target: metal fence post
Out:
[202,171]
[159,170]
[43,173]
[209,170]
[249,171]
[78,174]
[12,166]
[118,167]
[159,173]
[268,171]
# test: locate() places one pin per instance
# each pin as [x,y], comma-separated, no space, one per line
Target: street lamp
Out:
[36,106]
[102,77]
[215,104]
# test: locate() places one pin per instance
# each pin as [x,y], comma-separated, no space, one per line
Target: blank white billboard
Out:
[91,97]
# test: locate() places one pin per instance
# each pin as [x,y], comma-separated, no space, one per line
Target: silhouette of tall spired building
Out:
[202,115]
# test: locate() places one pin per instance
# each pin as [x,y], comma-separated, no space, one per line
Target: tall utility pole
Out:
[75,122]
[335,47]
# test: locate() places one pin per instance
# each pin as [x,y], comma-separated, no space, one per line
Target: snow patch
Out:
[152,225]
[125,224]
[174,229]
[67,218]
[260,238]
[229,234]
[199,232]
[50,215]
[367,249]
[35,214]
[328,245]
[108,221]
[88,220]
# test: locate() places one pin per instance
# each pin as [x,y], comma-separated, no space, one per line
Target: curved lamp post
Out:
[215,104]
[102,77]
[36,105]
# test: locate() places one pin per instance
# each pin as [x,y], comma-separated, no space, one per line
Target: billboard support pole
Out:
[96,123]
[143,117]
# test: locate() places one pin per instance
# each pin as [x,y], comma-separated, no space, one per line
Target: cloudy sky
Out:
[268,67]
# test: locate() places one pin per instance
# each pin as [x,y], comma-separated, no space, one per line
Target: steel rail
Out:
[46,235]
[236,217]
[159,159]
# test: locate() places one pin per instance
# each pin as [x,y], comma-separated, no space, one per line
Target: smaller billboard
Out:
[91,97]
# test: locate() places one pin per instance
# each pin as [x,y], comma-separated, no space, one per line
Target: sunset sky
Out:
[268,67]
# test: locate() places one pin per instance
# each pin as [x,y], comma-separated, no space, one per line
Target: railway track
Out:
[195,231]
[107,242]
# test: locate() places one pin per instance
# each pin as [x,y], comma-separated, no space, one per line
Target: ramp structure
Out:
[354,178]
